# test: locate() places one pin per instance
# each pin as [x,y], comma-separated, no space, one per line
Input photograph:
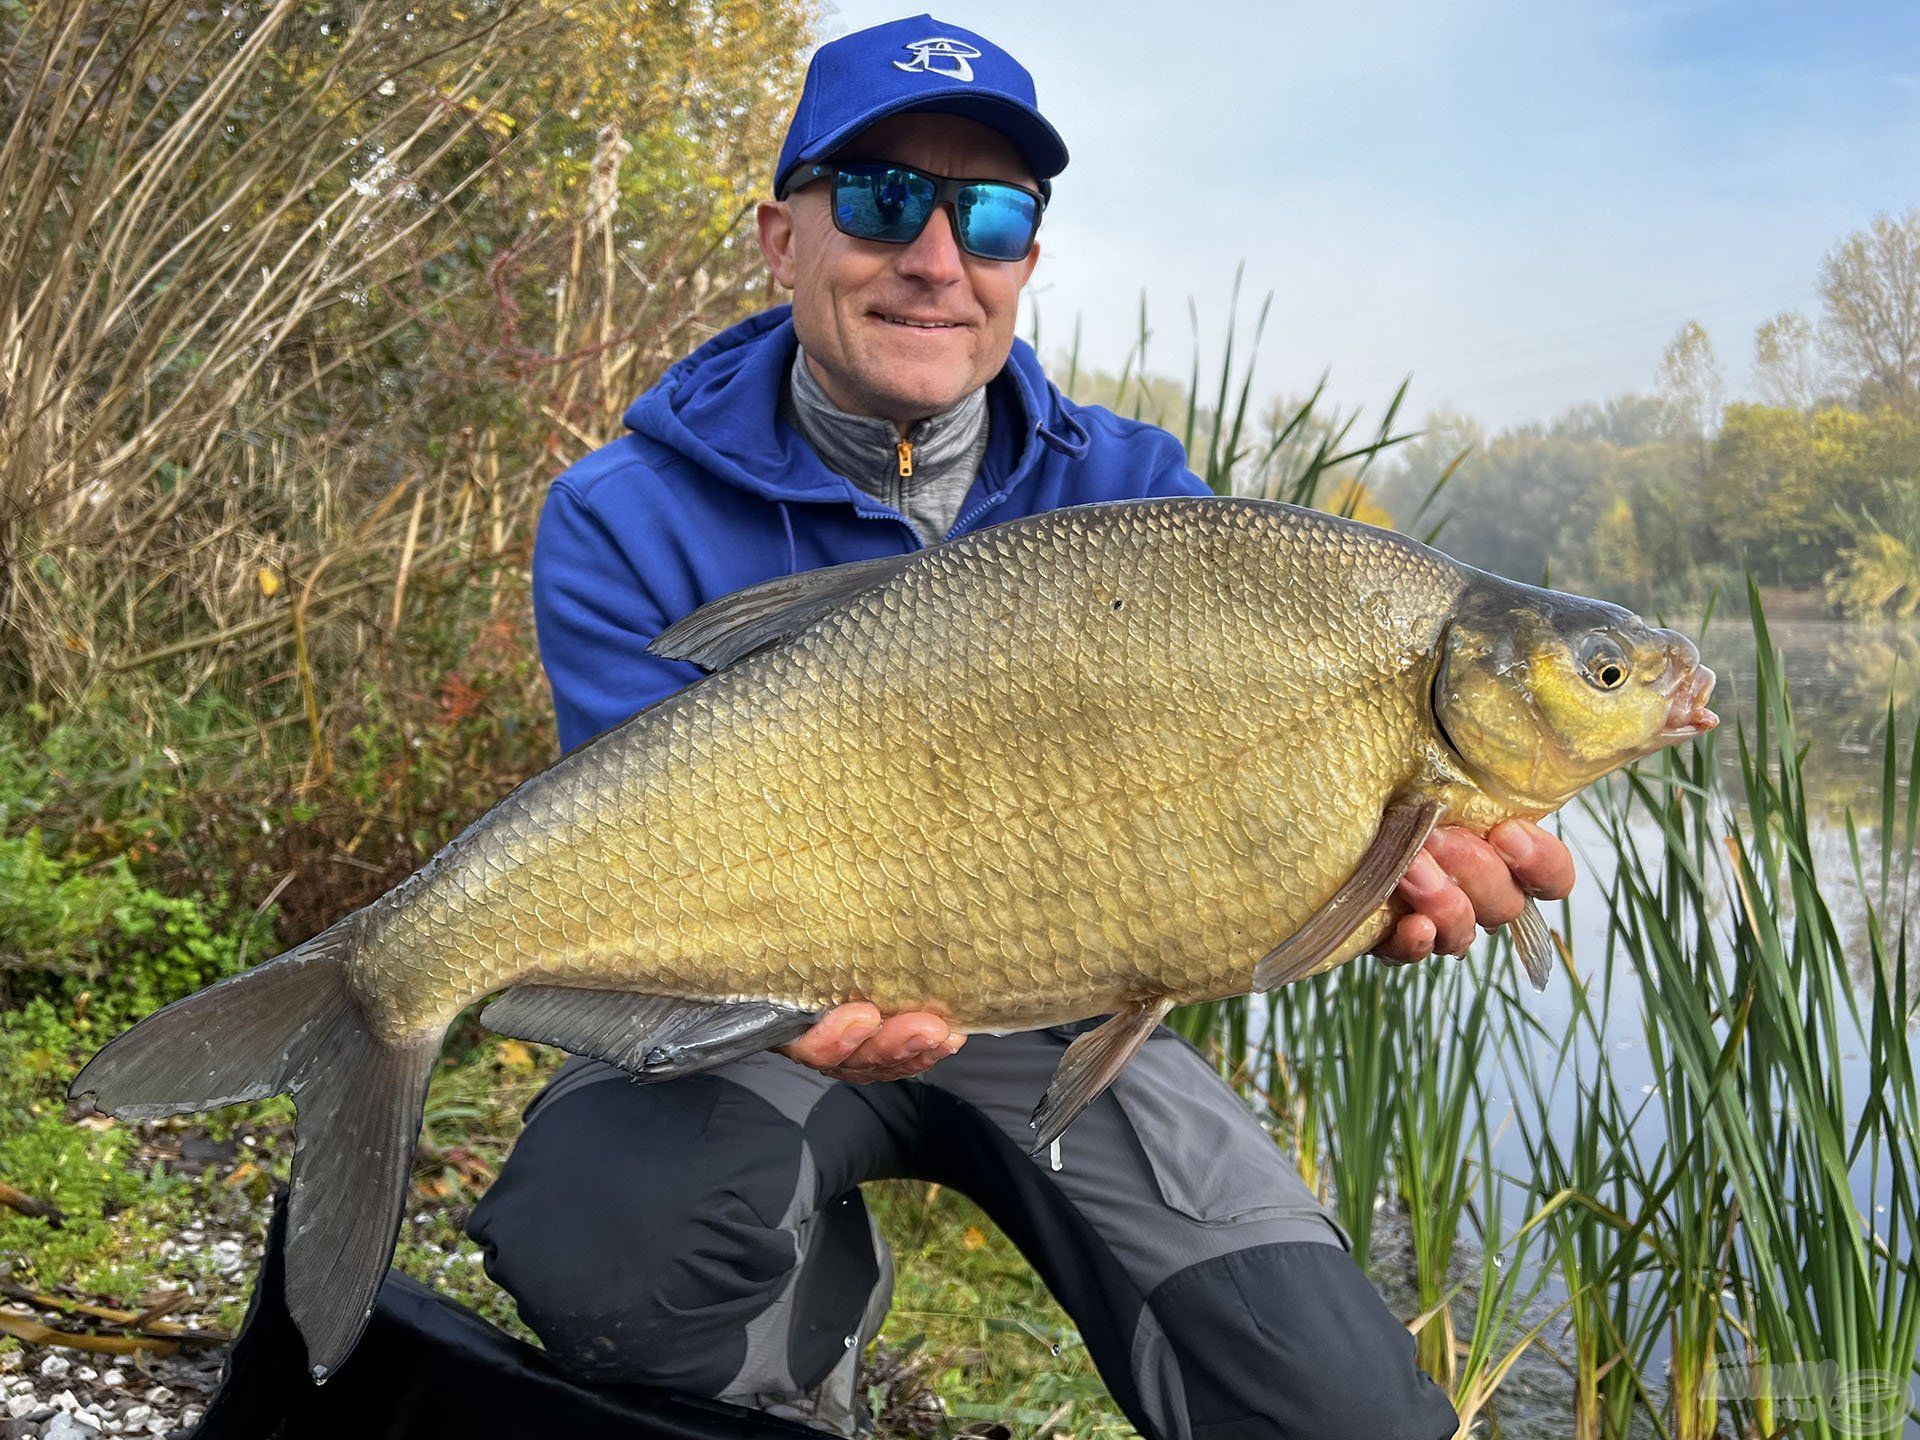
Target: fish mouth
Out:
[1688,714]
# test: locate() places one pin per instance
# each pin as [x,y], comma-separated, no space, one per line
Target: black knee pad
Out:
[638,1227]
[1289,1341]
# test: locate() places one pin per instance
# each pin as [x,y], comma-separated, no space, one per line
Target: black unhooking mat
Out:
[427,1368]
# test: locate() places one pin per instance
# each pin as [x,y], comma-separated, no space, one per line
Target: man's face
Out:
[851,297]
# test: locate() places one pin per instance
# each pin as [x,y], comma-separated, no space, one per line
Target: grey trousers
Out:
[708,1235]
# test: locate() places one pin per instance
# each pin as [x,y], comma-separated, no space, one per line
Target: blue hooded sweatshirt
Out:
[712,490]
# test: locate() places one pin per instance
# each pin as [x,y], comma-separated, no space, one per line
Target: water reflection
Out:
[1840,673]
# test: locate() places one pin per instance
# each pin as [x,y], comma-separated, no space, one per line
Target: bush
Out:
[97,949]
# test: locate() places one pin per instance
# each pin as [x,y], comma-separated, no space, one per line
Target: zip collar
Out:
[719,408]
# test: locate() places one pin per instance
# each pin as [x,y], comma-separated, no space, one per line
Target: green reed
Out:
[1755,1007]
[1438,1035]
[1694,1235]
[1506,1289]
[1713,1228]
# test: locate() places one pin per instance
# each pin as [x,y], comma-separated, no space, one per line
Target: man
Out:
[708,1235]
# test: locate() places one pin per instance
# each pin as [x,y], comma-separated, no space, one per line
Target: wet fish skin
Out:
[1100,760]
[959,794]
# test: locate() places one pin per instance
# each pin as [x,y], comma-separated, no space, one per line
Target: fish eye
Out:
[1603,663]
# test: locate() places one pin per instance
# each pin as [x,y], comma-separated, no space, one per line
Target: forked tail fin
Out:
[293,1026]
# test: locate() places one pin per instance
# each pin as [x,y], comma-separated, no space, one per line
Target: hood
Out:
[720,408]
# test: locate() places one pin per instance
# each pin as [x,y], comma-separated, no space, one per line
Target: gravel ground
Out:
[57,1394]
[52,1392]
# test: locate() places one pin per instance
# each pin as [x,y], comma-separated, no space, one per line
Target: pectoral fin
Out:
[652,1037]
[1402,832]
[1533,943]
[1092,1063]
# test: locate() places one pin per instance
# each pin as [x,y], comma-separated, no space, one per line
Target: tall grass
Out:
[301,310]
[1734,1253]
[193,200]
[1303,451]
[1756,1012]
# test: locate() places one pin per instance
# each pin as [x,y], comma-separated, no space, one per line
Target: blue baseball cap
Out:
[916,64]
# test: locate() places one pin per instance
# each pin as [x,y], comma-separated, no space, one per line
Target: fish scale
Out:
[1006,802]
[1095,761]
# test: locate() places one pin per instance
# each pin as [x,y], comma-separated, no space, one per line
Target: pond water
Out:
[1840,675]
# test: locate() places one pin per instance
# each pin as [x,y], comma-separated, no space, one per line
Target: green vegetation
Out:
[1657,500]
[280,416]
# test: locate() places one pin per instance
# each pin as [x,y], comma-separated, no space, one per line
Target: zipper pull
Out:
[905,447]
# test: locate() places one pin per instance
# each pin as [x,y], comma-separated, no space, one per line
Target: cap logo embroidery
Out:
[940,55]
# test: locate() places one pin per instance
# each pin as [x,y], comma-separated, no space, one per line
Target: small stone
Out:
[22,1386]
[190,1417]
[21,1405]
[137,1414]
[65,1400]
[158,1395]
[10,1359]
[54,1366]
[86,1372]
[66,1427]
[114,1377]
[159,1425]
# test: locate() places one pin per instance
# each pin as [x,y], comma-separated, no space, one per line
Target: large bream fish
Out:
[1106,759]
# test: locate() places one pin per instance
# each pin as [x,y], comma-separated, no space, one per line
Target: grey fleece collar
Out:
[946,455]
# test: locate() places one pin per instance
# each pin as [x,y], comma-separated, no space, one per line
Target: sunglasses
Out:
[993,219]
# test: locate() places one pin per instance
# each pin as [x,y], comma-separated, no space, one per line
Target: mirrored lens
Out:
[997,222]
[880,202]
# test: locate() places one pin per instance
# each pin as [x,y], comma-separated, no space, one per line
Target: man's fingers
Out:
[1539,861]
[1411,939]
[834,1036]
[1479,877]
[910,1039]
[1430,890]
[853,1042]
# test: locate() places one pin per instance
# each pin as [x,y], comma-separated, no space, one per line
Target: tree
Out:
[1785,368]
[1870,283]
[1783,483]
[1616,550]
[1691,385]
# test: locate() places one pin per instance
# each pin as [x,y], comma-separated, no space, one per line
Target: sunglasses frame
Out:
[946,195]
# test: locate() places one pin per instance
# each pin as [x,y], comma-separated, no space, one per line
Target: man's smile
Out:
[911,322]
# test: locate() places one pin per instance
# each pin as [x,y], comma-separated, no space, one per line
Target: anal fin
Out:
[1092,1063]
[1403,830]
[652,1037]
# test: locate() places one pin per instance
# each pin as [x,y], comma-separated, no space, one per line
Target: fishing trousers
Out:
[707,1235]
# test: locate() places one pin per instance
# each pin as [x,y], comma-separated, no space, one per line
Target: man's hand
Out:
[1459,880]
[852,1042]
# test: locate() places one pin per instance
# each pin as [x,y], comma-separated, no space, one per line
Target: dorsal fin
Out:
[734,626]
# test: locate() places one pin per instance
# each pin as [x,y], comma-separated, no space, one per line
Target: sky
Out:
[1517,203]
